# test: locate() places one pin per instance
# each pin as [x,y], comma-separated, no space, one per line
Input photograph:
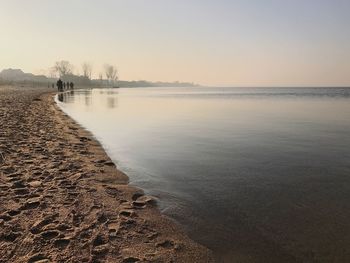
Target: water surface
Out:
[255,174]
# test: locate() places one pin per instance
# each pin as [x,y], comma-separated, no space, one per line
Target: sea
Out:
[254,174]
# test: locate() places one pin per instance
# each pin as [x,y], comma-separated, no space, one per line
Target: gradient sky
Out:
[221,42]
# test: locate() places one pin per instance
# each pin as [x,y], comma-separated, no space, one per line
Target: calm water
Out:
[257,175]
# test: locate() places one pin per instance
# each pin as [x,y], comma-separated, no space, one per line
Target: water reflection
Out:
[67,96]
[112,102]
[108,98]
[60,97]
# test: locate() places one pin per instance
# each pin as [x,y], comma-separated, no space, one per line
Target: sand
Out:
[63,200]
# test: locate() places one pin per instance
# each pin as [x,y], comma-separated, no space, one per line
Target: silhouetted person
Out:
[67,85]
[59,85]
[64,85]
[71,85]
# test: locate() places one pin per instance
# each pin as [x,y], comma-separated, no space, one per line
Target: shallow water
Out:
[255,174]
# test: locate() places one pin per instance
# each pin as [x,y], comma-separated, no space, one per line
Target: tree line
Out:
[64,69]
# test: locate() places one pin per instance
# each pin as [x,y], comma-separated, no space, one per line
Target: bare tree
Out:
[111,73]
[52,73]
[63,68]
[87,70]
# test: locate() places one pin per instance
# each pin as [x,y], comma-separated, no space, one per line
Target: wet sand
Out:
[63,200]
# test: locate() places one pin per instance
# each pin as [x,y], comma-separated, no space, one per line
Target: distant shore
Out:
[63,200]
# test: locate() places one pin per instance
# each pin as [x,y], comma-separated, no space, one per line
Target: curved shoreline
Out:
[75,205]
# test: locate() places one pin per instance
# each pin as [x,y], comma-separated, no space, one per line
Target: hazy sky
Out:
[217,42]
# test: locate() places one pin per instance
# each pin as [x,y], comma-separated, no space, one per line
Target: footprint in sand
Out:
[113,228]
[38,258]
[5,217]
[13,213]
[21,192]
[31,204]
[61,243]
[10,236]
[36,228]
[50,234]
[142,201]
[131,260]
[13,177]
[18,184]
[112,191]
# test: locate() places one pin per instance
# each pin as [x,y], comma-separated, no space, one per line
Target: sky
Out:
[217,43]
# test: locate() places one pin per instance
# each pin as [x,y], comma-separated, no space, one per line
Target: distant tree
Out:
[52,73]
[111,73]
[63,68]
[87,70]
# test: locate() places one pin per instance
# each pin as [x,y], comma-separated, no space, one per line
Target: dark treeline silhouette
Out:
[18,77]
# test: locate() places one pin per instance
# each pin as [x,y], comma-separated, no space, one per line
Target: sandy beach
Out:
[63,200]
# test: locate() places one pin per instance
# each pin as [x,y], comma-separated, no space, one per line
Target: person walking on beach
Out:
[59,85]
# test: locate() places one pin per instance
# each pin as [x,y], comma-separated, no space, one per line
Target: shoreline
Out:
[64,200]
